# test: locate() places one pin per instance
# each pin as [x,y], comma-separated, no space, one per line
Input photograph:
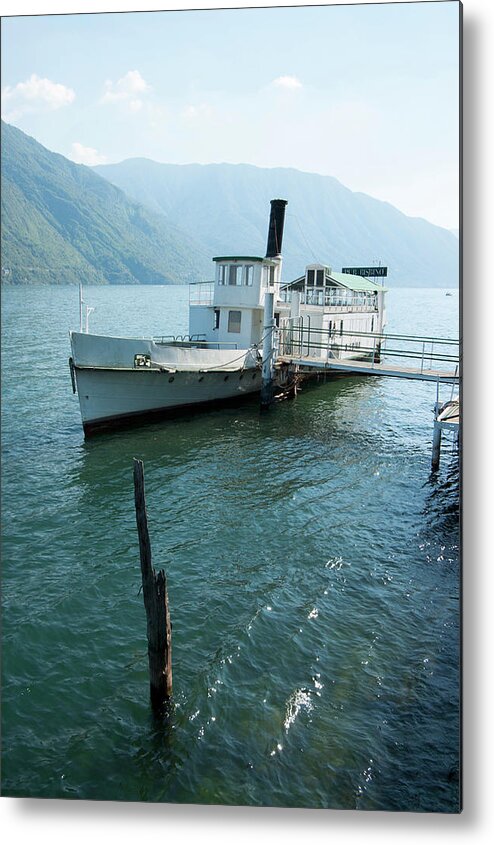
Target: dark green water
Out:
[313,572]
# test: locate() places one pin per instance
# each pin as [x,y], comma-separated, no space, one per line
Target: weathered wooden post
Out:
[159,629]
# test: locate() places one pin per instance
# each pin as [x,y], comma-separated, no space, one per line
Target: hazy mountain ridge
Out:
[62,223]
[225,208]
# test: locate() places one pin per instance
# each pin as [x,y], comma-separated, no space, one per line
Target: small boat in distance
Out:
[124,380]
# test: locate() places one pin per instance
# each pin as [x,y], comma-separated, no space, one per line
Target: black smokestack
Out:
[275,231]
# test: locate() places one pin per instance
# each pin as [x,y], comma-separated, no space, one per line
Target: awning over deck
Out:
[343,280]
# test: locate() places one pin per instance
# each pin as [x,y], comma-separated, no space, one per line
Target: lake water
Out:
[313,576]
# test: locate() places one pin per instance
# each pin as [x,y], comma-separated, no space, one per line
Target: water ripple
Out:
[313,577]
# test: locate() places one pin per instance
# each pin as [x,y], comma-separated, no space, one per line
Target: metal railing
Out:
[337,298]
[170,339]
[306,341]
[188,340]
[201,293]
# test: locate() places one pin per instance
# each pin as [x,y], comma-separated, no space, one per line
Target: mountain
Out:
[225,208]
[148,223]
[63,224]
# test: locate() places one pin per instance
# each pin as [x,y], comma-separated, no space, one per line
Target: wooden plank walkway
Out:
[449,414]
[310,364]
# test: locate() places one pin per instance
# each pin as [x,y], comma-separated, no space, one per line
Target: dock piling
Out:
[436,446]
[446,416]
[268,353]
[155,603]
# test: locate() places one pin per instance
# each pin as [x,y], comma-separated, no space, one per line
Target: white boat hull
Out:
[111,398]
[114,392]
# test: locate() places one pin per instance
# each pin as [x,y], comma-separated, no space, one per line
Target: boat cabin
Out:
[341,305]
[228,313]
[230,310]
[321,286]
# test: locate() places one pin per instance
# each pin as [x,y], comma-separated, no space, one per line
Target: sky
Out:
[367,93]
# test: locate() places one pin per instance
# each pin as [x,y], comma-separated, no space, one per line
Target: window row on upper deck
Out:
[236,274]
[315,277]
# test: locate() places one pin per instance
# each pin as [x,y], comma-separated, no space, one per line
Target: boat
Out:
[223,359]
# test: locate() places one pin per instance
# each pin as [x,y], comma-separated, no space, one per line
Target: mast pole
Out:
[80,308]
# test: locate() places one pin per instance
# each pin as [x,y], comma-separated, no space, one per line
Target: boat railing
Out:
[339,299]
[201,293]
[297,339]
[193,340]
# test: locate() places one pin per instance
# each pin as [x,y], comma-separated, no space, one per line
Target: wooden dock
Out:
[305,352]
[449,414]
[446,416]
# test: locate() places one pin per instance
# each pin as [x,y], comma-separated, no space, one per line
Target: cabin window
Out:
[341,327]
[320,278]
[235,274]
[216,318]
[277,319]
[310,277]
[234,321]
[222,274]
[271,275]
[248,275]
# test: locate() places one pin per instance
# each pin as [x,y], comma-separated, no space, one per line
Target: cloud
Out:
[34,95]
[135,105]
[197,113]
[126,90]
[86,155]
[289,83]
